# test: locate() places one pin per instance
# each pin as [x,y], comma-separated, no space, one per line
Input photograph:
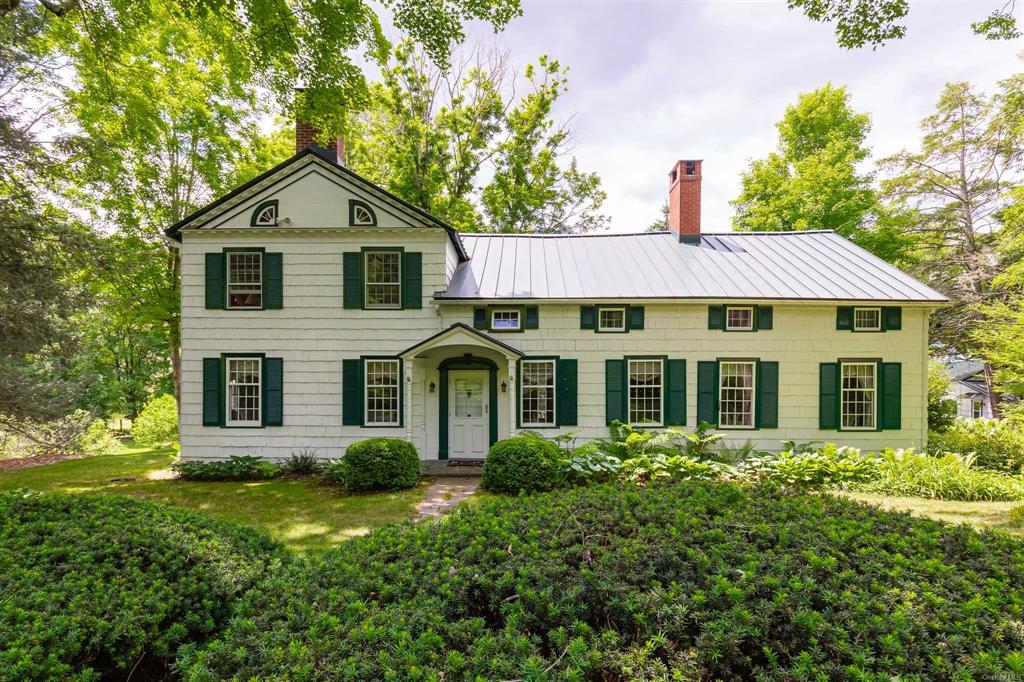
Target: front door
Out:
[468,413]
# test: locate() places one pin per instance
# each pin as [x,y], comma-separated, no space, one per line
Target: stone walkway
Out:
[443,494]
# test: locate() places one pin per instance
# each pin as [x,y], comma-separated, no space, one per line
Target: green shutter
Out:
[480,318]
[675,390]
[828,395]
[890,375]
[614,390]
[412,280]
[213,403]
[636,317]
[892,318]
[352,392]
[567,399]
[767,395]
[273,391]
[716,317]
[765,317]
[215,281]
[844,317]
[588,315]
[273,281]
[353,278]
[532,317]
[707,392]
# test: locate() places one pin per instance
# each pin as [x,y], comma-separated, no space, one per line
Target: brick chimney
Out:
[684,200]
[307,134]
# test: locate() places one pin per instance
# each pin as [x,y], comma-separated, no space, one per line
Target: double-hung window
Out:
[611,319]
[506,320]
[977,408]
[383,279]
[245,279]
[859,385]
[244,387]
[646,391]
[867,319]
[538,393]
[739,319]
[383,388]
[736,394]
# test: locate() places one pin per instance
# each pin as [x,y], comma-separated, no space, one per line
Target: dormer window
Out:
[360,214]
[265,215]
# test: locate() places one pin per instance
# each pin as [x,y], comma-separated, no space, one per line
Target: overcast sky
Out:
[653,82]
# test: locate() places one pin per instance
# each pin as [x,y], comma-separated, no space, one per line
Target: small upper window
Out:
[360,214]
[977,408]
[245,279]
[739,319]
[505,320]
[611,319]
[867,319]
[265,215]
[383,279]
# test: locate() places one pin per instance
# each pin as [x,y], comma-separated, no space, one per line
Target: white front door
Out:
[468,413]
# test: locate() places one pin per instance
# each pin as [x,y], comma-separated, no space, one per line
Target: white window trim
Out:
[876,328]
[366,392]
[661,385]
[228,421]
[227,282]
[747,328]
[874,397]
[621,309]
[554,394]
[366,221]
[367,283]
[519,320]
[753,394]
[977,406]
[260,222]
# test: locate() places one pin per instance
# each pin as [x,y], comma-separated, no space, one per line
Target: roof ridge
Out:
[530,235]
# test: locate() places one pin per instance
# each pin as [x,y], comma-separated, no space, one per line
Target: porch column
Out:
[408,399]
[512,393]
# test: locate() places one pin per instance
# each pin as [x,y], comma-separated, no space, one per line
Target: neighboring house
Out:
[318,309]
[969,389]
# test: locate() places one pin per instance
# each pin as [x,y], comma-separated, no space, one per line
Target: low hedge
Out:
[93,586]
[688,581]
[522,464]
[376,464]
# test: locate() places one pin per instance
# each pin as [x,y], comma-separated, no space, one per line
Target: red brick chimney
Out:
[307,134]
[684,200]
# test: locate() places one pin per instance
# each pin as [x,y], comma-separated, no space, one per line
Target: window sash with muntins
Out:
[739,318]
[245,279]
[736,386]
[382,392]
[383,279]
[537,386]
[611,319]
[859,396]
[244,379]
[977,408]
[508,319]
[645,391]
[867,319]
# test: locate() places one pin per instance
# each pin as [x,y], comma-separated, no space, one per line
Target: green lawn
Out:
[1000,515]
[302,514]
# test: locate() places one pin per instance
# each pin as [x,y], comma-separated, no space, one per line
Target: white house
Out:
[318,309]
[969,389]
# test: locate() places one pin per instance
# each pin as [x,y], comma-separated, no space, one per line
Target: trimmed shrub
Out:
[950,477]
[94,585]
[376,464]
[695,581]
[234,468]
[157,424]
[996,444]
[522,464]
[98,440]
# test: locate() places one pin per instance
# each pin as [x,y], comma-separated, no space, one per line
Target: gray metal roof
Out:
[818,265]
[963,370]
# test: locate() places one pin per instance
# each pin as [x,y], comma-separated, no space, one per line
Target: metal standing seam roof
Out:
[814,265]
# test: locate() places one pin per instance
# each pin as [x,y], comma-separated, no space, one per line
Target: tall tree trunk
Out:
[994,399]
[174,322]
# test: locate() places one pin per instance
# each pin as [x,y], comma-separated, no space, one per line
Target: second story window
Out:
[739,319]
[611,319]
[867,319]
[383,279]
[245,279]
[505,320]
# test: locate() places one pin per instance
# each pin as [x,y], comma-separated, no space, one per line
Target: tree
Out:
[430,134]
[941,407]
[661,224]
[812,181]
[951,191]
[876,22]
